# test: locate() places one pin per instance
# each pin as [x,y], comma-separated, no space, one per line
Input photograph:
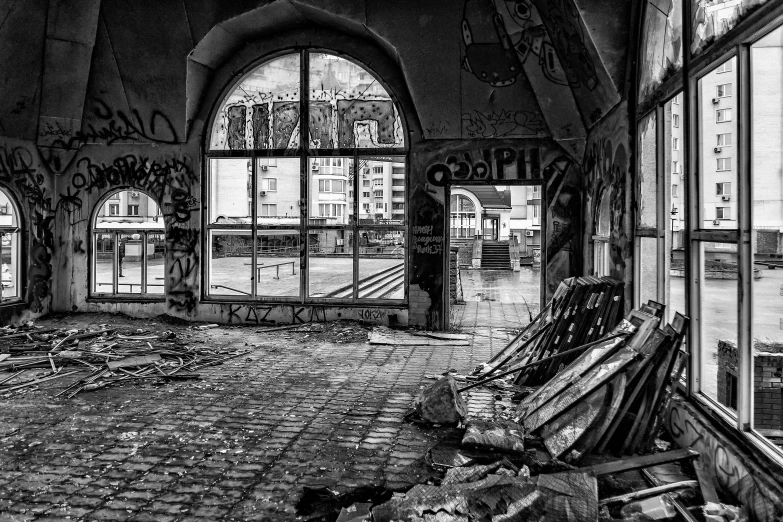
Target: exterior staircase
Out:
[494,255]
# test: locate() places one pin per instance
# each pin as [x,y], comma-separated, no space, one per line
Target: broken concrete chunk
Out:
[359,512]
[499,434]
[441,403]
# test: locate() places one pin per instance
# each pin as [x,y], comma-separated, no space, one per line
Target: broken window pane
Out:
[231,259]
[331,180]
[766,121]
[331,263]
[661,44]
[711,19]
[349,107]
[718,173]
[381,264]
[719,300]
[277,263]
[262,111]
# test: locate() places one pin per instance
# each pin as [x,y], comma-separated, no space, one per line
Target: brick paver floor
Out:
[240,444]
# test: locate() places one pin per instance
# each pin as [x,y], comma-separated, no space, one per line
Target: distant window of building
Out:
[271,184]
[723,189]
[377,170]
[724,68]
[365,183]
[675,191]
[377,182]
[724,90]
[268,210]
[724,164]
[723,115]
[675,120]
[722,212]
[724,140]
[675,143]
[379,205]
[133,210]
[365,194]
[114,210]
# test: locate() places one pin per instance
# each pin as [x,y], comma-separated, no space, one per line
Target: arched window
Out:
[463,217]
[9,255]
[326,192]
[128,246]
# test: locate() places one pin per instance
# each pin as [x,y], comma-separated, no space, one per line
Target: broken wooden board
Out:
[443,336]
[140,360]
[387,336]
[643,461]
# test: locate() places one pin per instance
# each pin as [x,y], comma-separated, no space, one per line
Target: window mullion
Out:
[694,272]
[254,226]
[143,261]
[304,164]
[355,226]
[745,253]
[116,262]
[660,217]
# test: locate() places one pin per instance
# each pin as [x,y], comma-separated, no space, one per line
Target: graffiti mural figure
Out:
[500,36]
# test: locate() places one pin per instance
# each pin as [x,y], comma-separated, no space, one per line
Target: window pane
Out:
[279,188]
[719,322]
[130,263]
[384,202]
[277,271]
[712,19]
[329,183]
[675,163]
[331,263]
[10,268]
[262,111]
[349,107]
[647,185]
[231,190]
[715,162]
[648,259]
[767,221]
[104,262]
[230,266]
[156,249]
[661,44]
[381,264]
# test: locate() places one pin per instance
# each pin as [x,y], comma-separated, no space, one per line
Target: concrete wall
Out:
[106,95]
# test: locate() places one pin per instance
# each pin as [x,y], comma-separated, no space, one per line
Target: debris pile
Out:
[108,356]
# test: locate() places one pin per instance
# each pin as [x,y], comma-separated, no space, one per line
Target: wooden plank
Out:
[4,356]
[140,360]
[706,482]
[650,492]
[643,461]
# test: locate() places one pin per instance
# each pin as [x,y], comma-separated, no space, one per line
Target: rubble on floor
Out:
[99,358]
[591,387]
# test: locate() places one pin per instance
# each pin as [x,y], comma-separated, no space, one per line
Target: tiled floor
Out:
[239,444]
[497,298]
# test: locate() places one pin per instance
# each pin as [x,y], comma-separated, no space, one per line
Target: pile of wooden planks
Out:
[612,397]
[98,358]
[582,310]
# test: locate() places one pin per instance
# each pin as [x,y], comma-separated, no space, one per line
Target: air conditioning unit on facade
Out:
[262,193]
[134,194]
[315,166]
[264,167]
[717,149]
[529,233]
[726,198]
[716,221]
[715,101]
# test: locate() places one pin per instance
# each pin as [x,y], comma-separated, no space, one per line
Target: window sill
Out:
[298,302]
[124,299]
[765,454]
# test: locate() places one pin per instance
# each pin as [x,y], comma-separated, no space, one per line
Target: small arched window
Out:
[307,208]
[10,253]
[129,242]
[463,217]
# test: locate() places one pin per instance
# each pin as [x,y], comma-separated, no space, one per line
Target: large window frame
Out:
[735,43]
[12,245]
[306,228]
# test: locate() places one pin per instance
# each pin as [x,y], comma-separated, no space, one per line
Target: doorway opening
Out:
[495,242]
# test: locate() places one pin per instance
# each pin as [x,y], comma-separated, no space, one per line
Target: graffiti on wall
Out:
[182,246]
[607,168]
[502,124]
[564,221]
[296,314]
[726,465]
[483,164]
[111,126]
[19,171]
